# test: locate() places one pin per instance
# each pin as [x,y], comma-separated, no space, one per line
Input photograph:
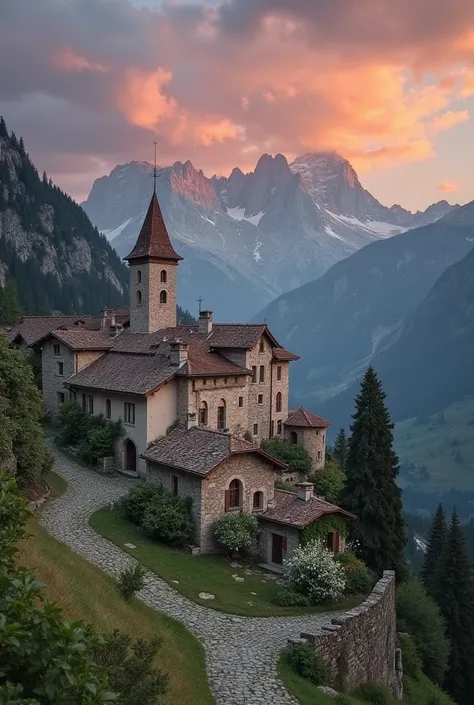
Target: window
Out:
[175,484]
[260,399]
[204,381]
[139,277]
[279,427]
[129,413]
[90,404]
[257,500]
[221,415]
[234,495]
[255,429]
[225,380]
[203,414]
[279,373]
[163,276]
[57,350]
[272,429]
[241,402]
[294,438]
[319,455]
[317,432]
[108,409]
[278,401]
[60,368]
[139,296]
[323,437]
[163,297]
[254,374]
[261,347]
[60,398]
[262,374]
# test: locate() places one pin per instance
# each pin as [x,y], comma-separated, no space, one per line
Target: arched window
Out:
[221,415]
[203,414]
[108,409]
[258,500]
[234,494]
[278,401]
[163,276]
[163,297]
[139,296]
[294,438]
[139,276]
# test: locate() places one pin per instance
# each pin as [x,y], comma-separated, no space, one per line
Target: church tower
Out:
[153,267]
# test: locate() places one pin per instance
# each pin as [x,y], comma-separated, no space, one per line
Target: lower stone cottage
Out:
[225,473]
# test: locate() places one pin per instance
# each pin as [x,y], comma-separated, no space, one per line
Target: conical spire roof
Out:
[153,240]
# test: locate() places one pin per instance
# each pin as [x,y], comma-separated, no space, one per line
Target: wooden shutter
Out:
[226,499]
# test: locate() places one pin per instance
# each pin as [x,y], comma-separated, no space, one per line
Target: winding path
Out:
[241,652]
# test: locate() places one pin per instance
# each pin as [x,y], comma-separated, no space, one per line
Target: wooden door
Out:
[277,549]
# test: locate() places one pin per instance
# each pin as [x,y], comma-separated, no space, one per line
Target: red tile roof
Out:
[289,509]
[33,328]
[304,418]
[201,362]
[153,240]
[84,339]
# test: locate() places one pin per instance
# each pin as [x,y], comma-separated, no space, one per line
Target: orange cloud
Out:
[209,132]
[142,100]
[449,186]
[67,60]
[446,121]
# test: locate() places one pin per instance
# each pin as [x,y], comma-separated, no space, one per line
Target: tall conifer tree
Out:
[371,491]
[434,548]
[455,597]
[10,308]
[341,448]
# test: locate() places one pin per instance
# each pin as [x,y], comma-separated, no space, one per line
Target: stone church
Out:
[187,395]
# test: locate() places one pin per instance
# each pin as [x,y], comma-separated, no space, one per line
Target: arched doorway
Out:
[129,456]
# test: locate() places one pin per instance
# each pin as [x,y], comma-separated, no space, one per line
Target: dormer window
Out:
[139,277]
[163,276]
[163,297]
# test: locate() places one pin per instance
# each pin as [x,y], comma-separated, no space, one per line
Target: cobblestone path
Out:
[241,652]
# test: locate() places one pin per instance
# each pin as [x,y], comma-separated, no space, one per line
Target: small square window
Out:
[175,484]
[241,402]
[60,368]
[260,399]
[57,349]
[60,398]
[255,429]
[279,373]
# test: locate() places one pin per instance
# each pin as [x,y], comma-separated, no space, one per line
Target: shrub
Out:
[303,660]
[438,697]
[235,531]
[359,579]
[419,615]
[329,482]
[73,421]
[412,663]
[100,440]
[131,580]
[137,500]
[290,598]
[313,571]
[167,519]
[343,699]
[295,456]
[373,693]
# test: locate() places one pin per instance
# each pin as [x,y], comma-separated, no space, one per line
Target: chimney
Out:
[178,352]
[115,329]
[191,420]
[104,319]
[205,322]
[305,491]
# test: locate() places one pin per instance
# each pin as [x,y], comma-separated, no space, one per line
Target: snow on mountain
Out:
[257,235]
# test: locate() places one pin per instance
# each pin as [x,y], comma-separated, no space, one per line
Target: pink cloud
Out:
[67,60]
[449,186]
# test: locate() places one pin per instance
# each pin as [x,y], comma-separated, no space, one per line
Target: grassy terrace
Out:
[191,575]
[85,592]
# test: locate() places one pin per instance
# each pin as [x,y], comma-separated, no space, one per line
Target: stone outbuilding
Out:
[305,428]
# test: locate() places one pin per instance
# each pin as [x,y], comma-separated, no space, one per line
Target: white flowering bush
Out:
[235,531]
[313,571]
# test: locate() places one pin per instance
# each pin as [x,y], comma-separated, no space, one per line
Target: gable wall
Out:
[161,411]
[52,382]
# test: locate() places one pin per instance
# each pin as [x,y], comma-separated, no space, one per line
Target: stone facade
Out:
[58,362]
[265,540]
[208,393]
[361,645]
[150,282]
[314,439]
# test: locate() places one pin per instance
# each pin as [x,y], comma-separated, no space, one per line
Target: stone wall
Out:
[360,646]
[148,315]
[52,380]
[314,439]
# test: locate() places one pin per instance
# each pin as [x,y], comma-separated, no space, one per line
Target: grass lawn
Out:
[195,574]
[55,483]
[85,592]
[416,692]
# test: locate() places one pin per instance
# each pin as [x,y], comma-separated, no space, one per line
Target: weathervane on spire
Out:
[154,171]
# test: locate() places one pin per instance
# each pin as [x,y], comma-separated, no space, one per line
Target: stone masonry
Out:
[314,439]
[147,314]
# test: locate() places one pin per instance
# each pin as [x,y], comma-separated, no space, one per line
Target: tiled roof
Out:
[153,240]
[84,339]
[33,328]
[127,374]
[282,354]
[289,509]
[235,335]
[199,450]
[10,332]
[202,362]
[304,418]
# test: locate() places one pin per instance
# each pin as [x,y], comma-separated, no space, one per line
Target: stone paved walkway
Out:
[241,652]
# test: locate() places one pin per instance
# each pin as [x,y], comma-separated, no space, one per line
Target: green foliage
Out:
[434,549]
[138,499]
[329,482]
[359,579]
[303,659]
[290,598]
[235,531]
[94,436]
[371,491]
[313,571]
[10,308]
[320,528]
[21,413]
[412,663]
[167,518]
[294,455]
[419,616]
[131,580]
[130,669]
[13,513]
[341,448]
[373,693]
[73,422]
[280,484]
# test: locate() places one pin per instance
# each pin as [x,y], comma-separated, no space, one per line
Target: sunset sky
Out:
[389,84]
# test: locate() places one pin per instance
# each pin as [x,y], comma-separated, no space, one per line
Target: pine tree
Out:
[455,597]
[434,548]
[341,448]
[10,308]
[371,491]
[3,128]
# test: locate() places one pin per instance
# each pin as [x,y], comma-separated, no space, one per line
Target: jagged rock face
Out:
[257,234]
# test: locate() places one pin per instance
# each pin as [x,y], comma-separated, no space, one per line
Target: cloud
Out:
[447,120]
[67,60]
[449,186]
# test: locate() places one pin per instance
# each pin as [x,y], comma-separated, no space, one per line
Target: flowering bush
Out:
[313,571]
[236,532]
